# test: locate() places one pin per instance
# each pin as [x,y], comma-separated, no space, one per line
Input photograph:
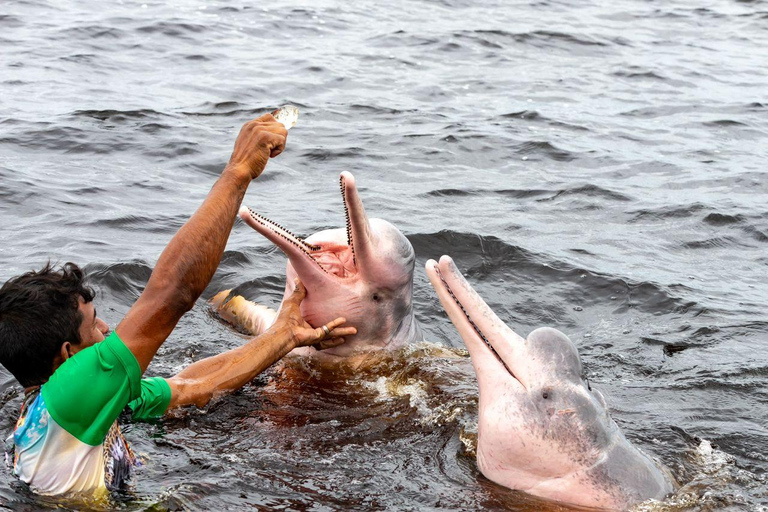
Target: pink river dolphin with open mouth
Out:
[363,273]
[541,428]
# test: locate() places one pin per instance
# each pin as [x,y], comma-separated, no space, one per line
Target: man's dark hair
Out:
[38,313]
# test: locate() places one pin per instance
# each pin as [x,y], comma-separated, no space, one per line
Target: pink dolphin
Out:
[541,428]
[363,273]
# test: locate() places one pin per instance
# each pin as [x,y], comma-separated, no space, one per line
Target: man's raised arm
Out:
[189,261]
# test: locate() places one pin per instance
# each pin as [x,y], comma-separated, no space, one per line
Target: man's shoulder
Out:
[90,389]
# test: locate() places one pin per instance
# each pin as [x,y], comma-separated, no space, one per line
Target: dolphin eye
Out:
[545,395]
[376,297]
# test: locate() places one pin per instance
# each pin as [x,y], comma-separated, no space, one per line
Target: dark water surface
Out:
[598,167]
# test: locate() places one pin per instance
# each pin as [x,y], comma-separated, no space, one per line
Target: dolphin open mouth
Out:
[323,258]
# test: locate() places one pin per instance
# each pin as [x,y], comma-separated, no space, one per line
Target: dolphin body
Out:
[363,273]
[541,428]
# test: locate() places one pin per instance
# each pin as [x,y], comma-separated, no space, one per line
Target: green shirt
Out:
[67,437]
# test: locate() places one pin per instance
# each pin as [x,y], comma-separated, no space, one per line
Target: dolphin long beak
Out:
[297,250]
[493,346]
[359,233]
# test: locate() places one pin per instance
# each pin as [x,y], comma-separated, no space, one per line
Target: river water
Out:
[598,167]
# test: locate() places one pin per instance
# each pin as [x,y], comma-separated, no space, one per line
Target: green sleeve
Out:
[154,399]
[87,393]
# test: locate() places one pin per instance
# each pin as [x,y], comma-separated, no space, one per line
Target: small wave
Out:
[511,193]
[722,219]
[530,115]
[667,212]
[378,110]
[172,150]
[153,128]
[639,74]
[229,109]
[401,38]
[321,154]
[156,224]
[126,281]
[590,191]
[197,57]
[118,116]
[60,138]
[87,58]
[90,32]
[171,29]
[669,348]
[533,116]
[755,233]
[10,21]
[480,40]
[540,37]
[547,149]
[711,243]
[724,122]
[659,111]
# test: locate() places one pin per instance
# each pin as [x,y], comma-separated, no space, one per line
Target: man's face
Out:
[92,329]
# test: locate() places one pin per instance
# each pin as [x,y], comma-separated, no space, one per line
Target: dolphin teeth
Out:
[472,323]
[346,215]
[283,233]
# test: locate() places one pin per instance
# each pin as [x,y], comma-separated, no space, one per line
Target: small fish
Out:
[287,115]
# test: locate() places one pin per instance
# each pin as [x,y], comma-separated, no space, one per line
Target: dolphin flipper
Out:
[245,315]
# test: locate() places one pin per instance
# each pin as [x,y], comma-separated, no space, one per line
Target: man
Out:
[78,377]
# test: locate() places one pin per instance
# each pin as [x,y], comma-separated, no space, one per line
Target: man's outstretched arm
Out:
[200,381]
[189,261]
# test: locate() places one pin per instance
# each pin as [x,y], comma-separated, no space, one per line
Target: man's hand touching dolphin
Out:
[303,335]
[200,381]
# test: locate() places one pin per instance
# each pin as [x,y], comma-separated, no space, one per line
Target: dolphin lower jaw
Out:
[289,243]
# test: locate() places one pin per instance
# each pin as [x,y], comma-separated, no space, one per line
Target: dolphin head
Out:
[363,273]
[539,421]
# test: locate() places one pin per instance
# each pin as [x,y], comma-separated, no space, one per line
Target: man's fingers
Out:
[267,118]
[334,342]
[274,141]
[342,331]
[335,323]
[335,330]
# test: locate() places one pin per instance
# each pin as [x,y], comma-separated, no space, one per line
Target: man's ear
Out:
[65,352]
